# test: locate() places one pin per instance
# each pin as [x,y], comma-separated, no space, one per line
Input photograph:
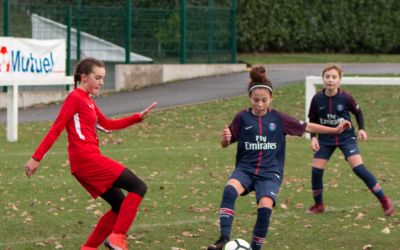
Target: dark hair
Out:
[86,67]
[258,77]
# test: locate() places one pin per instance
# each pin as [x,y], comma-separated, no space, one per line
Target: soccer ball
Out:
[237,244]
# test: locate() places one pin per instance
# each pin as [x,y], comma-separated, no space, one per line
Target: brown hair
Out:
[86,67]
[258,79]
[337,67]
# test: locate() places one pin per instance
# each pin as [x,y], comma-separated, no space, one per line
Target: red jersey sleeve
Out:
[114,124]
[67,111]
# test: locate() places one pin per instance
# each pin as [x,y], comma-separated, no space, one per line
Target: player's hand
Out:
[314,144]
[343,126]
[147,110]
[31,166]
[226,135]
[362,135]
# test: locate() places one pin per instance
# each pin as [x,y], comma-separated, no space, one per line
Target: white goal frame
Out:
[311,89]
[12,95]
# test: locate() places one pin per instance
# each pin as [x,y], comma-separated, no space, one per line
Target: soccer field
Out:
[177,153]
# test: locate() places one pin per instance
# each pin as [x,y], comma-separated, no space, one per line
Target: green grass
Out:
[177,153]
[267,58]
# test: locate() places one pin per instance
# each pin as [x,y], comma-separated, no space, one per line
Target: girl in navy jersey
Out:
[99,175]
[329,107]
[260,135]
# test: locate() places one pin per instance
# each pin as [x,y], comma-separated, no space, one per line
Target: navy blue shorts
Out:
[325,152]
[266,186]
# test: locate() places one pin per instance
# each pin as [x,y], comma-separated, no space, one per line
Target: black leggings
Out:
[128,181]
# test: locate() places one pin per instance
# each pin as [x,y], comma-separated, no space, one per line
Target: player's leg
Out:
[319,163]
[266,194]
[355,160]
[104,227]
[233,188]
[136,190]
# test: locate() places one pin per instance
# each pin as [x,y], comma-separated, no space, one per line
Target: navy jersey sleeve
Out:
[313,111]
[234,127]
[356,110]
[353,106]
[291,125]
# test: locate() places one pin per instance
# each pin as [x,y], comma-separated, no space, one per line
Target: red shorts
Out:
[95,172]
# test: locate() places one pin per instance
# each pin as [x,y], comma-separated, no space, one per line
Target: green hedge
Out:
[347,26]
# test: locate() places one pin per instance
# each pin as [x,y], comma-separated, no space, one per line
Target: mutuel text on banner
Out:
[29,57]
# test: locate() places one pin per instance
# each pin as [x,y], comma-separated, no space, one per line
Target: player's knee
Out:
[143,189]
[140,188]
[116,207]
[266,201]
[230,192]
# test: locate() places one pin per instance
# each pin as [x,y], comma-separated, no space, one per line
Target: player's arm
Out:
[229,134]
[362,135]
[356,110]
[120,123]
[67,111]
[226,137]
[320,129]
[313,115]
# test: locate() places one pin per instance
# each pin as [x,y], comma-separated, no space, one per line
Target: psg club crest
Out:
[4,60]
[272,126]
[339,107]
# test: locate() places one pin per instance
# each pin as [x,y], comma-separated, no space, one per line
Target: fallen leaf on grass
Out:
[188,234]
[299,205]
[58,246]
[386,230]
[199,209]
[366,247]
[359,216]
[14,207]
[98,213]
[66,163]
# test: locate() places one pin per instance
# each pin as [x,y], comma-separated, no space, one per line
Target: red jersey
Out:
[81,117]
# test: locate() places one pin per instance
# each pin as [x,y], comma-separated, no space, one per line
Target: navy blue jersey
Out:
[330,111]
[261,140]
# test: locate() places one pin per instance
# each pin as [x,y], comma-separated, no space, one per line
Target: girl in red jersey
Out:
[330,106]
[99,175]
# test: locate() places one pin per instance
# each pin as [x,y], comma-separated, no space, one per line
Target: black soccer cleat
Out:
[107,244]
[219,244]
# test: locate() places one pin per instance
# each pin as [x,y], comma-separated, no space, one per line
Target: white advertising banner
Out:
[24,59]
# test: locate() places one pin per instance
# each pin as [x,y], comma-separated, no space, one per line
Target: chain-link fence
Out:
[181,31]
[206,29]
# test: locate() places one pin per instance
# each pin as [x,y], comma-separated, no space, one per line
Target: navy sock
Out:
[261,228]
[369,180]
[227,210]
[317,184]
